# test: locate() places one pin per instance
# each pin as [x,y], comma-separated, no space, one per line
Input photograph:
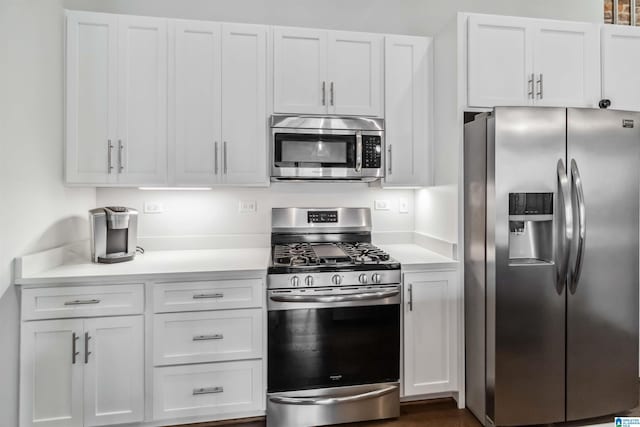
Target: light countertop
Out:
[249,261]
[416,258]
[154,265]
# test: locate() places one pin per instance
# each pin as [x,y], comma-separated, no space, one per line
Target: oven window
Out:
[332,347]
[308,150]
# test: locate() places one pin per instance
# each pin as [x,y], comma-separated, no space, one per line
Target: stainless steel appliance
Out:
[551,264]
[326,148]
[114,234]
[333,320]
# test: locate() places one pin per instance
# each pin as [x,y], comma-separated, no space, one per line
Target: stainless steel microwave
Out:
[310,148]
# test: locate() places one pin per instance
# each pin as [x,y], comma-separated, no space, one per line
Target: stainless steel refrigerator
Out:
[551,230]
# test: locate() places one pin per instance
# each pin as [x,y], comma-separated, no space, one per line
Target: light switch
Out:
[153,207]
[382,205]
[403,207]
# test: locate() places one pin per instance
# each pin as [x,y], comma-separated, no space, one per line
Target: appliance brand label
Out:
[335,377]
[627,421]
[627,123]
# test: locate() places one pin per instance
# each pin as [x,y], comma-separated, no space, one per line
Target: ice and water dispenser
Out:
[530,228]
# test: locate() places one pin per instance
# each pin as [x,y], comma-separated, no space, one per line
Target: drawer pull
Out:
[205,296]
[82,302]
[208,390]
[208,337]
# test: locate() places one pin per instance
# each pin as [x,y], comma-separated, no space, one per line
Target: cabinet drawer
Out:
[210,336]
[82,301]
[209,389]
[210,295]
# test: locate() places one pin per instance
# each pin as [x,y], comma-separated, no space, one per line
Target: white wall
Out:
[36,210]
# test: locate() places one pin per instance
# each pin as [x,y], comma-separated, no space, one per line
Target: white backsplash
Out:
[216,212]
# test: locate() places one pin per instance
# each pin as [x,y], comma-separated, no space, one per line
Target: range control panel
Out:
[371,151]
[322,216]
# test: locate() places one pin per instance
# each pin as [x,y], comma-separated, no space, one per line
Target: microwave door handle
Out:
[358,151]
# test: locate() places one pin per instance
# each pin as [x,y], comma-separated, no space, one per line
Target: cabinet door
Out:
[91,97]
[194,102]
[566,64]
[300,71]
[499,61]
[620,65]
[50,374]
[142,100]
[113,357]
[355,73]
[407,116]
[429,333]
[244,111]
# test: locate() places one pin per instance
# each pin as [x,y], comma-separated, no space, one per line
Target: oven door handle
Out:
[365,296]
[332,400]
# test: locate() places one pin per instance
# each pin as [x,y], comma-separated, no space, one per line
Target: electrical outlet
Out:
[153,207]
[403,207]
[248,206]
[382,205]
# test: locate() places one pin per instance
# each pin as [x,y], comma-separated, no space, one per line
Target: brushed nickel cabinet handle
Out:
[208,337]
[109,152]
[410,297]
[86,347]
[331,93]
[208,390]
[120,148]
[324,93]
[530,86]
[540,87]
[224,156]
[206,296]
[82,302]
[389,159]
[215,158]
[74,353]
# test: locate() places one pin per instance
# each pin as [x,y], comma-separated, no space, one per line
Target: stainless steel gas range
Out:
[333,321]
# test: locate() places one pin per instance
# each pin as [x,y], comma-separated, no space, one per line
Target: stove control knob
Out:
[308,280]
[362,278]
[376,278]
[295,281]
[336,279]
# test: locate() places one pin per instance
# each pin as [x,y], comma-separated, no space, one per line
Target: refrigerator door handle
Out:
[576,181]
[566,231]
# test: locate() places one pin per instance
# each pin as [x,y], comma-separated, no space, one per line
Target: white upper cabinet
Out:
[500,65]
[218,103]
[300,71]
[327,72]
[244,104]
[91,77]
[522,61]
[407,112]
[566,61]
[116,99]
[355,73]
[620,65]
[142,100]
[194,102]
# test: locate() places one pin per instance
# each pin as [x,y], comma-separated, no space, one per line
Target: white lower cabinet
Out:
[82,372]
[212,389]
[430,331]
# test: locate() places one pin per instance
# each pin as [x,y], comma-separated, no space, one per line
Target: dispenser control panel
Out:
[530,203]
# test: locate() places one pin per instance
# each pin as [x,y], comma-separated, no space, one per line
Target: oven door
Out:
[331,338]
[316,155]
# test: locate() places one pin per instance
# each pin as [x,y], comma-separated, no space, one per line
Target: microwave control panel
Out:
[371,152]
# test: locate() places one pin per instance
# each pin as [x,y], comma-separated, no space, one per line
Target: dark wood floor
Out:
[434,413]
